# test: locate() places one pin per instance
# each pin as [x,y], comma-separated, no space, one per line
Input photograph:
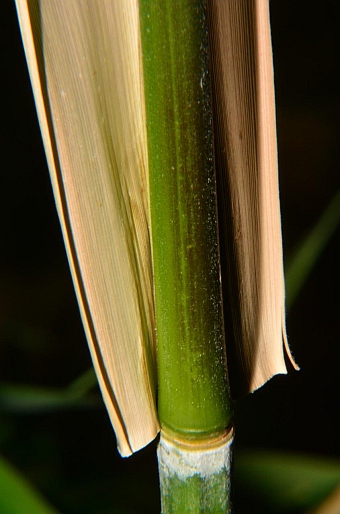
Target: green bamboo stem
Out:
[195,477]
[194,406]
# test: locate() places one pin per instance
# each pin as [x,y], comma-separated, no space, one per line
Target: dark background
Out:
[71,455]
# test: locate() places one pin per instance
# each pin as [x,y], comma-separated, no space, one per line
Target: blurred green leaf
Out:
[305,257]
[82,384]
[17,495]
[331,505]
[30,399]
[281,483]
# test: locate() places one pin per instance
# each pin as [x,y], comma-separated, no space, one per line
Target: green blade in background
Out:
[17,496]
[282,483]
[306,256]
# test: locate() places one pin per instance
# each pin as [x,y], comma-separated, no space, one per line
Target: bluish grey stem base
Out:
[195,476]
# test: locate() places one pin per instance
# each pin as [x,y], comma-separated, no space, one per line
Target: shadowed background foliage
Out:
[65,446]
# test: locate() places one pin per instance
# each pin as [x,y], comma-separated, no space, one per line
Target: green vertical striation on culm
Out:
[193,393]
[198,491]
[193,388]
[195,478]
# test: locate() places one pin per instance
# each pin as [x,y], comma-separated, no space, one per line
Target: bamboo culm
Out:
[194,406]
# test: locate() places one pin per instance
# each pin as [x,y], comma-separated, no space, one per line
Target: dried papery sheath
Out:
[84,62]
[208,80]
[246,162]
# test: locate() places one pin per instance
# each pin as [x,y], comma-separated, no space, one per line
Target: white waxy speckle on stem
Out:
[187,460]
